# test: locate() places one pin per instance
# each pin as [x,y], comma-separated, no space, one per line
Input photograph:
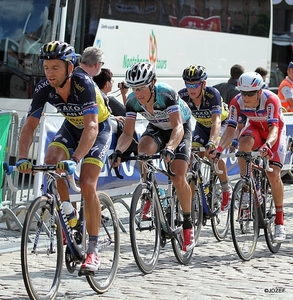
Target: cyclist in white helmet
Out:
[168,131]
[265,130]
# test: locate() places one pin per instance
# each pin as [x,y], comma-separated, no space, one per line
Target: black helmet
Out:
[194,73]
[140,73]
[58,50]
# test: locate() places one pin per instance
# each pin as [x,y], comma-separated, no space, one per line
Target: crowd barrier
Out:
[14,205]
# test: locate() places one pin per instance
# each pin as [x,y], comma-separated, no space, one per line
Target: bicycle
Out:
[207,195]
[260,213]
[163,222]
[42,242]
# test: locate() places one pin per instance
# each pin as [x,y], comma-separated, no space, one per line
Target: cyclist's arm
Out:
[26,136]
[125,138]
[88,136]
[177,130]
[216,128]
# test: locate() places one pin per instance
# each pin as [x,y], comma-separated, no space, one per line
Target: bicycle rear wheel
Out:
[145,232]
[41,250]
[196,209]
[182,257]
[244,223]
[109,247]
[220,220]
[269,212]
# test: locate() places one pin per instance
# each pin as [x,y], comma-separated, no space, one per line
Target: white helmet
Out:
[250,81]
[139,74]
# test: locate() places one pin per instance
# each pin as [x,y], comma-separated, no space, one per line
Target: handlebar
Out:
[143,158]
[254,154]
[9,169]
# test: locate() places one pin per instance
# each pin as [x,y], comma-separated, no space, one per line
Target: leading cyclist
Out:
[265,130]
[168,131]
[85,133]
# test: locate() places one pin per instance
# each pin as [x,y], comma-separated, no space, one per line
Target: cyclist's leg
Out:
[179,166]
[90,171]
[277,187]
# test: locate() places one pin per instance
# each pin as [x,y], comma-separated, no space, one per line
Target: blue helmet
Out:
[58,50]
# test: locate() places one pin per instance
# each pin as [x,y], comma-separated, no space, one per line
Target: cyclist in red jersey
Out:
[264,130]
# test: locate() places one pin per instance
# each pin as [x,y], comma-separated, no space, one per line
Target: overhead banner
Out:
[5,121]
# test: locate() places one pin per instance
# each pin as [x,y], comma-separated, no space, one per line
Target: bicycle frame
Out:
[197,163]
[256,174]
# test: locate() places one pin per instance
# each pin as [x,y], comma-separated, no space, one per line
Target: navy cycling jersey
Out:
[212,103]
[85,98]
[166,102]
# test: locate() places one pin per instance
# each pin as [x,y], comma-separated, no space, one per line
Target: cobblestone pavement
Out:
[214,272]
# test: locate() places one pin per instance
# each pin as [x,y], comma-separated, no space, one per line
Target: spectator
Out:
[105,82]
[263,72]
[229,89]
[285,90]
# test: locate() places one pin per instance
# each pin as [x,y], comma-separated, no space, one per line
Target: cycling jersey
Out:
[260,119]
[212,103]
[85,98]
[166,102]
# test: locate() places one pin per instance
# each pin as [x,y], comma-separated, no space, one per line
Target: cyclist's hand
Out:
[24,165]
[168,155]
[66,165]
[210,146]
[234,146]
[115,159]
[216,153]
[265,150]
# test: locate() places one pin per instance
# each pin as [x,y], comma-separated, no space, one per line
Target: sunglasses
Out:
[249,94]
[138,89]
[192,85]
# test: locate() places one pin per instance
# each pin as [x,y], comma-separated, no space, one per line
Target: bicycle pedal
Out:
[85,272]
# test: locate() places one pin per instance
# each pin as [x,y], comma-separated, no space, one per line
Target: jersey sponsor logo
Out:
[79,87]
[233,113]
[41,85]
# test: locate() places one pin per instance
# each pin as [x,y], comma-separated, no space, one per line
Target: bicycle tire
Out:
[220,221]
[269,212]
[197,209]
[244,230]
[41,270]
[109,247]
[182,257]
[145,233]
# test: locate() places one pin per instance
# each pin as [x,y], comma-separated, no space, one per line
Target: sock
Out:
[187,222]
[93,244]
[279,215]
[225,186]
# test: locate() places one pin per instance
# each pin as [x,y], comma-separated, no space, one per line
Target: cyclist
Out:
[264,130]
[168,131]
[210,113]
[85,133]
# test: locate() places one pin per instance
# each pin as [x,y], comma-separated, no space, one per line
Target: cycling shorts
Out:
[260,136]
[162,137]
[68,137]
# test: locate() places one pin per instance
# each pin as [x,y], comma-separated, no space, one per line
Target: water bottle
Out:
[206,186]
[259,195]
[71,213]
[163,197]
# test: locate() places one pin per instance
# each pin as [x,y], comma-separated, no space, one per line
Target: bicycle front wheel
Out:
[269,212]
[220,219]
[41,250]
[109,247]
[244,223]
[145,229]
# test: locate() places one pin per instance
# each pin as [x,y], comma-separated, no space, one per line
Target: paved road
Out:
[214,272]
